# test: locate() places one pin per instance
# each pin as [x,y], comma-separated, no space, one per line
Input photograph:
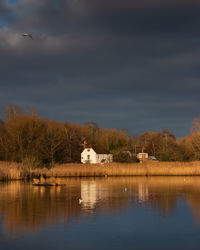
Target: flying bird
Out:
[28,35]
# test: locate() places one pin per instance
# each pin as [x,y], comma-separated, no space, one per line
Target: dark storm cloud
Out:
[6,15]
[124,64]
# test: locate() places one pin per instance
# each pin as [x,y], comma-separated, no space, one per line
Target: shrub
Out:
[125,157]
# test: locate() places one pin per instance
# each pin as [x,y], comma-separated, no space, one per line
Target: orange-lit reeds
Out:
[12,171]
[16,171]
[119,169]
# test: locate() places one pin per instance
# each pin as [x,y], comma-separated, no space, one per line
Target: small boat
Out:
[48,184]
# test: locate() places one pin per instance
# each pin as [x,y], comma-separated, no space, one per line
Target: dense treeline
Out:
[25,137]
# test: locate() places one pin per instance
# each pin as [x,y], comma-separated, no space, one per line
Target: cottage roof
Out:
[99,150]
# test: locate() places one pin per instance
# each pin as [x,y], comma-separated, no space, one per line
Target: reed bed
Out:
[118,169]
[13,171]
[17,171]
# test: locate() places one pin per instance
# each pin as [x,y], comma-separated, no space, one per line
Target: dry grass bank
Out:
[13,171]
[119,169]
[16,171]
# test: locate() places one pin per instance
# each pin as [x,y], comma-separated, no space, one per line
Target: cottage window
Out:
[88,150]
[88,157]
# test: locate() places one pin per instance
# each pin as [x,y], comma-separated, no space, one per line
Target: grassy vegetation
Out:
[120,169]
[15,171]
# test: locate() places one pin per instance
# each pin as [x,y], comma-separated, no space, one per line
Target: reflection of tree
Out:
[23,206]
[28,207]
[194,203]
[164,193]
[165,202]
[193,199]
[156,193]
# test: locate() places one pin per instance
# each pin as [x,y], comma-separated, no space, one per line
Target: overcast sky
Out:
[125,64]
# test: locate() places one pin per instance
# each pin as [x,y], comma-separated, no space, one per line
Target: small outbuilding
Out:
[142,156]
[95,155]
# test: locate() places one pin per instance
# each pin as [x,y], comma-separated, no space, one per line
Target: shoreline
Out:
[18,171]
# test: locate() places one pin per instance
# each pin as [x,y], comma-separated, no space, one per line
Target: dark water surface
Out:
[115,213]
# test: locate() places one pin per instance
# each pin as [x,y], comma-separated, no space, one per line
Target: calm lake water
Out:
[115,213]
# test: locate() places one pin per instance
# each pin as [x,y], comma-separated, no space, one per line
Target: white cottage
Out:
[95,155]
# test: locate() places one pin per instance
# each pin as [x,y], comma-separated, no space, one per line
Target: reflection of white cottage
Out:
[95,155]
[91,193]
